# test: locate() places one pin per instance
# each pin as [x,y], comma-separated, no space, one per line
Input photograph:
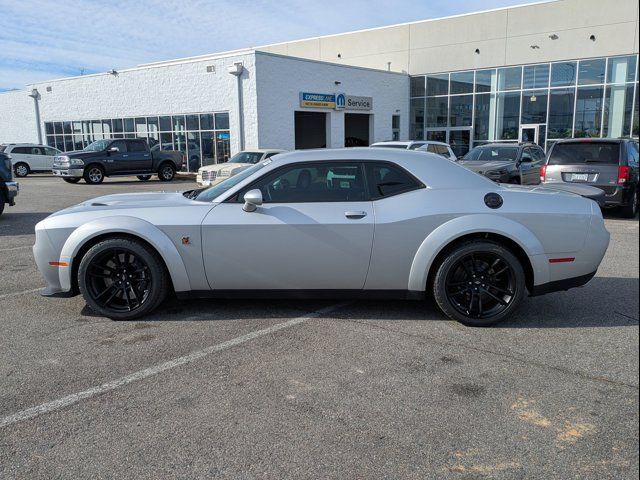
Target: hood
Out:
[485,166]
[122,201]
[82,154]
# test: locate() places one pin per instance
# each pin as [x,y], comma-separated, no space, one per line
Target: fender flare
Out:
[131,226]
[469,224]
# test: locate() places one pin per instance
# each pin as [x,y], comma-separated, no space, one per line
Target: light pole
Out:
[236,69]
[36,96]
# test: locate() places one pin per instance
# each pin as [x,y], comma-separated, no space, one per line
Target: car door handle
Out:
[355,215]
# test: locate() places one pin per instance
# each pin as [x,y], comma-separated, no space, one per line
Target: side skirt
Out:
[306,294]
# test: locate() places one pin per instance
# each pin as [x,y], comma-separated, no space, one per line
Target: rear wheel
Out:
[631,210]
[21,169]
[122,279]
[479,283]
[166,172]
[94,174]
[144,178]
[71,179]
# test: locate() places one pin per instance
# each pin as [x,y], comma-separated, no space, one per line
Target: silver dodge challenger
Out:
[360,222]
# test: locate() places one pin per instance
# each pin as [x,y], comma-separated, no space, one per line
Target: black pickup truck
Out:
[8,188]
[117,157]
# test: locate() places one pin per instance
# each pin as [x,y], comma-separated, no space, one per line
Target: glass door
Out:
[460,141]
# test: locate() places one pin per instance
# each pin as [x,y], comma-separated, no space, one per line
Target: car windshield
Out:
[585,152]
[246,157]
[98,146]
[487,153]
[218,189]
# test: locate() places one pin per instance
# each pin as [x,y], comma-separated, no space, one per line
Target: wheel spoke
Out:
[497,299]
[501,290]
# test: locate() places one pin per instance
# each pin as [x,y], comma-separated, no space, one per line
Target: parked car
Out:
[212,174]
[30,157]
[608,164]
[194,154]
[506,163]
[119,157]
[8,188]
[302,224]
[439,148]
[408,145]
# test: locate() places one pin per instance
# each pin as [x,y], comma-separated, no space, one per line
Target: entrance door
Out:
[532,133]
[356,129]
[310,130]
[460,141]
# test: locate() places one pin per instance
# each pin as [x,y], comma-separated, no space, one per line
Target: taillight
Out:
[543,173]
[624,175]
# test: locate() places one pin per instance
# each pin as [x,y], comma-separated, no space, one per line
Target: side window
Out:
[444,151]
[415,145]
[527,155]
[386,180]
[136,146]
[632,154]
[432,148]
[538,154]
[22,150]
[314,182]
[121,145]
[269,155]
[50,151]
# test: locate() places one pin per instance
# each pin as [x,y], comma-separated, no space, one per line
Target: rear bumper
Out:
[560,285]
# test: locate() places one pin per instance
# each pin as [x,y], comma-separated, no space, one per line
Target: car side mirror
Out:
[252,199]
[113,150]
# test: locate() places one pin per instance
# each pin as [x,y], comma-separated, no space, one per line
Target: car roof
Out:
[594,140]
[398,142]
[434,142]
[262,150]
[23,145]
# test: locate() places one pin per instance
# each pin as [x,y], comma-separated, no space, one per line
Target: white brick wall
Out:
[17,117]
[281,79]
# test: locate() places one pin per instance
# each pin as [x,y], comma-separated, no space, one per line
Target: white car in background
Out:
[439,148]
[28,158]
[212,174]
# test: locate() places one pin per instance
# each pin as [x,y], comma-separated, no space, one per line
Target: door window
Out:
[386,180]
[432,148]
[51,151]
[21,150]
[139,146]
[443,150]
[527,155]
[317,182]
[121,145]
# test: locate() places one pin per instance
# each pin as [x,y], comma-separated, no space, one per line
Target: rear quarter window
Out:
[585,152]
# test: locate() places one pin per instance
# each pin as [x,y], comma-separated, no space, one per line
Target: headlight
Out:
[76,162]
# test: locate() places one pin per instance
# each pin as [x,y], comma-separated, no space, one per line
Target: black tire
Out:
[122,279]
[1,203]
[21,169]
[630,210]
[71,179]
[143,178]
[166,172]
[479,283]
[93,174]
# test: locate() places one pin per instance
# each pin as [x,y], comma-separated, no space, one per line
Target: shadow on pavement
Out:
[20,223]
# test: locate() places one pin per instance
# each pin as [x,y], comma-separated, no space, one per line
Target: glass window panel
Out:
[437,136]
[178,122]
[118,125]
[536,76]
[534,106]
[621,69]
[59,142]
[417,86]
[206,121]
[437,112]
[106,128]
[76,127]
[636,113]
[166,141]
[484,117]
[417,119]
[96,128]
[223,146]
[618,106]
[57,128]
[48,127]
[461,111]
[129,125]
[193,151]
[438,84]
[222,121]
[588,112]
[66,127]
[141,126]
[486,81]
[507,116]
[68,143]
[193,122]
[461,82]
[561,113]
[51,140]
[591,72]
[208,147]
[78,142]
[510,78]
[152,122]
[563,74]
[460,141]
[165,124]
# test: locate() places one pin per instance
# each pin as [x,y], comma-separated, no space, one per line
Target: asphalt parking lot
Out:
[299,389]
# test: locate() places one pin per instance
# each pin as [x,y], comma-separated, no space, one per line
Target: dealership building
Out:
[538,72]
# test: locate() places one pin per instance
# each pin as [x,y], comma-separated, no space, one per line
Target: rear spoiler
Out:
[587,191]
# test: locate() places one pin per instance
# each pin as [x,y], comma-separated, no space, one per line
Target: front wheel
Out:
[122,279]
[166,172]
[479,283]
[71,179]
[143,178]
[94,174]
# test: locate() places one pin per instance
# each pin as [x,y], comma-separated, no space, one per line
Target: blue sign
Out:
[341,101]
[224,136]
[317,100]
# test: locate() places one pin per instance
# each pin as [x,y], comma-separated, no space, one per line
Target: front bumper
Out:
[11,190]
[68,172]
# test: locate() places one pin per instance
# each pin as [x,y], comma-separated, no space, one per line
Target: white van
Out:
[30,157]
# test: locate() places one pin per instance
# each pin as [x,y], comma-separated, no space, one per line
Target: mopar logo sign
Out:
[341,101]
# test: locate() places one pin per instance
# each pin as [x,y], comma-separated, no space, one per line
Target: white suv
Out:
[30,157]
[439,148]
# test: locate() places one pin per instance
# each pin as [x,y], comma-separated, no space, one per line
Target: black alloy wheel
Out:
[479,283]
[166,172]
[94,174]
[122,278]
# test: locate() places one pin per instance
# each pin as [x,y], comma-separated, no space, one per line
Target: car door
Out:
[530,164]
[117,162]
[314,231]
[139,157]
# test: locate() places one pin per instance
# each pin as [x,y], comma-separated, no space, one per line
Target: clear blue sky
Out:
[46,39]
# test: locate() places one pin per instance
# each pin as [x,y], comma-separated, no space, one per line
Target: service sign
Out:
[358,103]
[317,100]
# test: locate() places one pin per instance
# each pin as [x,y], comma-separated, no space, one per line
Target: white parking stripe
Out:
[151,371]
[15,248]
[15,294]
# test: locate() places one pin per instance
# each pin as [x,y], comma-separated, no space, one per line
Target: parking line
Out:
[155,370]
[15,248]
[15,294]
